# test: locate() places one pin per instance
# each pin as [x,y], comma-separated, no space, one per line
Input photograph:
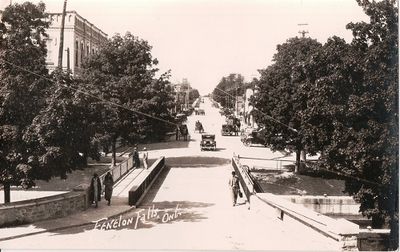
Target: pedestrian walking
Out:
[234,187]
[108,187]
[145,157]
[95,189]
[136,158]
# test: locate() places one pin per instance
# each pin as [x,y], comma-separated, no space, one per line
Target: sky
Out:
[205,40]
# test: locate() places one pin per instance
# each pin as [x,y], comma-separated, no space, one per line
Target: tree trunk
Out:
[303,159]
[303,156]
[7,193]
[114,154]
[297,166]
[85,159]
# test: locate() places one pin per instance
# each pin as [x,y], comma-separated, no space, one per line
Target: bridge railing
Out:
[118,171]
[245,179]
[143,183]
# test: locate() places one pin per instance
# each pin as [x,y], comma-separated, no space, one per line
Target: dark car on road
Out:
[229,130]
[253,136]
[208,142]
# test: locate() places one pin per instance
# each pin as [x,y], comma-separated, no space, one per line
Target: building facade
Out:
[81,39]
[248,108]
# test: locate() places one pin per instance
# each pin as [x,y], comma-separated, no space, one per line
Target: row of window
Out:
[83,52]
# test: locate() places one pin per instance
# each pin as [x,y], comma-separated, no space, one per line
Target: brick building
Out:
[81,38]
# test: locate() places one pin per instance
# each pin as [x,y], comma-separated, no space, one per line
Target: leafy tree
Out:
[345,106]
[228,88]
[22,45]
[365,141]
[61,136]
[331,76]
[193,95]
[123,72]
[279,103]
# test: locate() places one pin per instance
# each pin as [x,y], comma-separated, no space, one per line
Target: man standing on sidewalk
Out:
[234,186]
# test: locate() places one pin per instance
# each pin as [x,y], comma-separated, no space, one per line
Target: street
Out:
[189,207]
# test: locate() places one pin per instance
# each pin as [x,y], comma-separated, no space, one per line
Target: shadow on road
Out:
[147,216]
[196,161]
[166,145]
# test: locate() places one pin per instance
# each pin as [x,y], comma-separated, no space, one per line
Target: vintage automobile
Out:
[208,142]
[229,130]
[253,136]
[199,127]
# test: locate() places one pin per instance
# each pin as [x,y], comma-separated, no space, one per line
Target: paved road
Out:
[188,207]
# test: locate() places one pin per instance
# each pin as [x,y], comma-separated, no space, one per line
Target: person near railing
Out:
[95,190]
[108,187]
[234,187]
[145,158]
[136,158]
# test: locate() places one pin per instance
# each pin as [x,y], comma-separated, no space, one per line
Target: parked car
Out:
[208,142]
[254,136]
[229,130]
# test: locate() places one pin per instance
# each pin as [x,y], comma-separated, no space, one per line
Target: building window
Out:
[82,52]
[76,53]
[87,50]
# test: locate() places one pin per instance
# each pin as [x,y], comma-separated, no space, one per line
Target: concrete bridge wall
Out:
[56,206]
[291,214]
[139,190]
[336,205]
[29,211]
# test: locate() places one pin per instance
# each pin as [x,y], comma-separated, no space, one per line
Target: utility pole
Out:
[61,48]
[236,100]
[303,32]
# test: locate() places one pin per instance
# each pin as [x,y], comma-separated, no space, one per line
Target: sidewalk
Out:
[119,205]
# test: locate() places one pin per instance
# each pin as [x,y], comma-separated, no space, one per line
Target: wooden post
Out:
[61,47]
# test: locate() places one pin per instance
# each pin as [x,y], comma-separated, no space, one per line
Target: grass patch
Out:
[295,184]
[75,178]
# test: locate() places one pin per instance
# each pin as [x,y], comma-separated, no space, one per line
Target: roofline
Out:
[76,13]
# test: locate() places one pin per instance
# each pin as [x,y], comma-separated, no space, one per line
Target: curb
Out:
[62,228]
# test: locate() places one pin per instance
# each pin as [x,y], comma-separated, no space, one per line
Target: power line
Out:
[225,92]
[270,117]
[90,95]
[273,119]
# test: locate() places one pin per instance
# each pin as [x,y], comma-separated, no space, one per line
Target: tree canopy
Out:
[43,129]
[228,88]
[123,72]
[22,45]
[342,101]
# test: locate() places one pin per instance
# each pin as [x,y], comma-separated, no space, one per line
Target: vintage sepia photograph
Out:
[187,125]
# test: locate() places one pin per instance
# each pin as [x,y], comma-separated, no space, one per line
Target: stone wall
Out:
[374,239]
[33,210]
[56,206]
